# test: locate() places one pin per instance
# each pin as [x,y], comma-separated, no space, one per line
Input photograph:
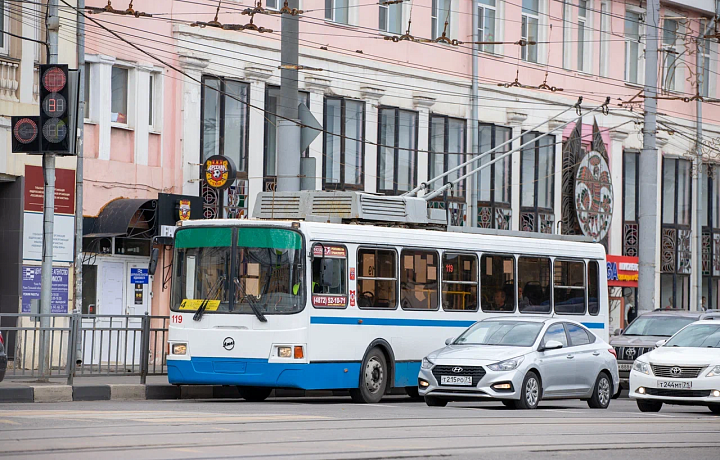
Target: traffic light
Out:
[55,132]
[26,135]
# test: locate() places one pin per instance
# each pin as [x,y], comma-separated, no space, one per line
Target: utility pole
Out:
[79,166]
[288,161]
[474,141]
[647,209]
[53,26]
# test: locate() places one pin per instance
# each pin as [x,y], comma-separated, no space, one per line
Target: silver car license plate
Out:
[455,380]
[624,367]
[677,385]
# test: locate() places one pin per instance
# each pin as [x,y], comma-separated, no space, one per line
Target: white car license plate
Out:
[674,385]
[624,367]
[455,380]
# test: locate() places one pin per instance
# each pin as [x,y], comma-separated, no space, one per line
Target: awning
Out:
[132,218]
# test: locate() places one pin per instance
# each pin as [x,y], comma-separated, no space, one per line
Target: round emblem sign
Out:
[219,171]
[594,196]
[25,131]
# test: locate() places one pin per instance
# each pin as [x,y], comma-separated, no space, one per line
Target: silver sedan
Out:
[519,361]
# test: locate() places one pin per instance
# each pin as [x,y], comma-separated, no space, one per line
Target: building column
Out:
[142,126]
[101,92]
[661,140]
[422,104]
[372,97]
[515,121]
[615,242]
[317,87]
[190,156]
[557,175]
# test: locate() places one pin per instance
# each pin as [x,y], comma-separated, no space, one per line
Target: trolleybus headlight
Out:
[179,348]
[285,352]
[715,372]
[427,364]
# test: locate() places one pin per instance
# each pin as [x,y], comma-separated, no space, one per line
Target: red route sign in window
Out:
[329,251]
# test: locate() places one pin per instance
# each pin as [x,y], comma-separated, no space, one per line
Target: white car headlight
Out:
[427,364]
[642,367]
[715,372]
[507,365]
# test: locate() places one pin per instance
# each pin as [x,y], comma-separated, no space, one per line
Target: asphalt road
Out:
[336,428]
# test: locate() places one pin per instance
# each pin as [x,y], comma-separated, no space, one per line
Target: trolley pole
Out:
[288,161]
[647,209]
[79,167]
[53,26]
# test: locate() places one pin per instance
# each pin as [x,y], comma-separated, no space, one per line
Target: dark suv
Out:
[644,332]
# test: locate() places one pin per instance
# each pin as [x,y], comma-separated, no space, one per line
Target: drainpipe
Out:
[472,181]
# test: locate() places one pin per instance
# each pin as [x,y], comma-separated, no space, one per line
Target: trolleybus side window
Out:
[377,278]
[419,284]
[593,291]
[569,287]
[459,282]
[497,283]
[534,285]
[329,276]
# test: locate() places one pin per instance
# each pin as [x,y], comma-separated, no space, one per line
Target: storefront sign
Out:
[31,285]
[139,276]
[594,196]
[219,171]
[322,250]
[622,271]
[63,238]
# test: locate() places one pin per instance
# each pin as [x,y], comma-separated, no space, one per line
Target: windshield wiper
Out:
[250,301]
[214,291]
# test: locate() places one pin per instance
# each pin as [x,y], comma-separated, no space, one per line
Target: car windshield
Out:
[505,333]
[697,336]
[661,326]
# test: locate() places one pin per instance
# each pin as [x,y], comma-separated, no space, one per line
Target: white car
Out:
[683,370]
[520,361]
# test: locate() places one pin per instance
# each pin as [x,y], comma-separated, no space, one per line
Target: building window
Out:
[272,97]
[459,282]
[4,26]
[86,91]
[390,19]
[567,33]
[377,278]
[633,47]
[711,239]
[581,38]
[487,13]
[669,53]
[397,152]
[704,72]
[631,193]
[119,96]
[537,178]
[440,15]
[605,38]
[447,138]
[337,10]
[675,259]
[529,29]
[493,182]
[271,4]
[343,146]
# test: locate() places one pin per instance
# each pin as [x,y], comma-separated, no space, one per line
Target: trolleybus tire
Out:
[373,378]
[254,394]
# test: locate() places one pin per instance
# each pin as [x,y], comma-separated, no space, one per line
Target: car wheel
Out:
[602,393]
[254,394]
[413,393]
[373,378]
[531,392]
[649,406]
[435,402]
[714,408]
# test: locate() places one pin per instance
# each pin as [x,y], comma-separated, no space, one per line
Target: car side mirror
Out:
[551,345]
[618,332]
[449,341]
[660,343]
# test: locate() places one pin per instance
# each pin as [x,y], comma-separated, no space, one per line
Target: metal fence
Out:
[85,345]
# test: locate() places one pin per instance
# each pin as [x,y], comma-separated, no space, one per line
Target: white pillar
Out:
[101,92]
[191,107]
[372,97]
[256,142]
[515,120]
[317,86]
[557,175]
[142,126]
[615,242]
[661,141]
[423,104]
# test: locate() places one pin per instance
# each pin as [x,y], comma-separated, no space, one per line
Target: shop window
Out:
[377,278]
[494,181]
[132,247]
[569,287]
[497,283]
[329,276]
[593,288]
[459,282]
[534,285]
[537,173]
[397,153]
[419,280]
[676,236]
[343,146]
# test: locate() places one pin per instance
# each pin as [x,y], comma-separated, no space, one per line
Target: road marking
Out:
[9,422]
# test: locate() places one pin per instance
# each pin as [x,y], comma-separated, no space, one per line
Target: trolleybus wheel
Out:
[254,394]
[373,378]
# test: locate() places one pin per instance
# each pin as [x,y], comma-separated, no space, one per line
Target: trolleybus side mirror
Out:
[153,261]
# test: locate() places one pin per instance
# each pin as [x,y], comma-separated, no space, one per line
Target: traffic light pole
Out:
[53,25]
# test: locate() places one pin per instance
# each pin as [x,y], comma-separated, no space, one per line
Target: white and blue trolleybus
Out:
[263,303]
